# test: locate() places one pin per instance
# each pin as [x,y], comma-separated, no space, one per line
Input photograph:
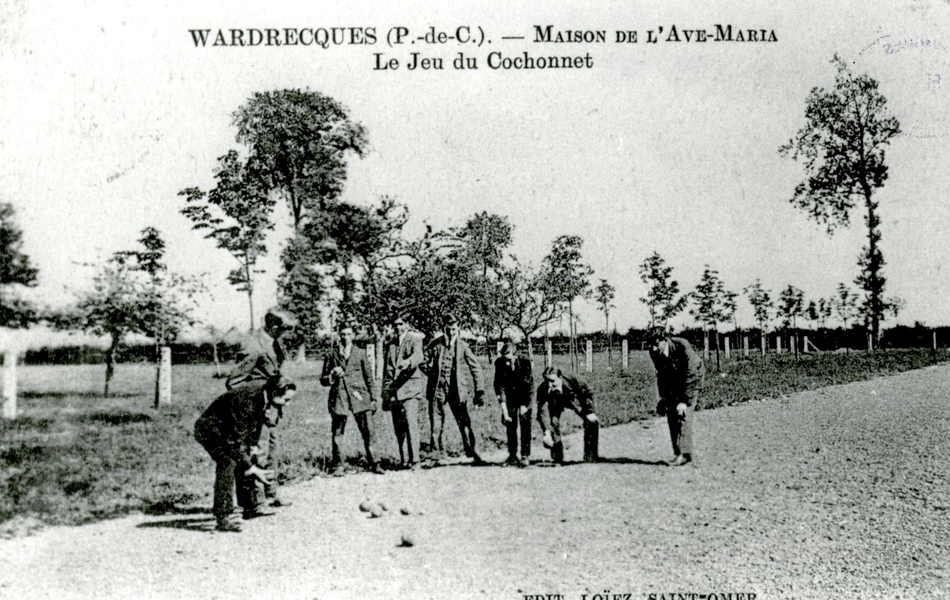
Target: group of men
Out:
[239,430]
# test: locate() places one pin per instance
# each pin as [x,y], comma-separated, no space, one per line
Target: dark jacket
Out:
[679,376]
[232,424]
[514,382]
[574,395]
[354,391]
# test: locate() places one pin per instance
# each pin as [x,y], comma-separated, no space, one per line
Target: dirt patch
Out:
[840,492]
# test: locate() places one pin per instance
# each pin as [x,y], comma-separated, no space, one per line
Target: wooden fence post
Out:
[9,384]
[547,353]
[589,357]
[625,355]
[164,392]
[745,345]
[935,339]
[778,344]
[705,346]
[727,347]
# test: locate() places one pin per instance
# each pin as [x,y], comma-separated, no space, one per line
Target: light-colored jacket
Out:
[408,382]
[354,392]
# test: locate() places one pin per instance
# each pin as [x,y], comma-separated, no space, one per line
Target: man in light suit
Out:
[450,383]
[347,373]
[403,387]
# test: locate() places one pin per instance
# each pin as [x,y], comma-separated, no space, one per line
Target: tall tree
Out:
[662,299]
[896,306]
[528,303]
[791,305]
[762,305]
[15,271]
[133,292]
[604,295]
[237,216]
[565,278]
[298,141]
[709,304]
[846,305]
[842,149]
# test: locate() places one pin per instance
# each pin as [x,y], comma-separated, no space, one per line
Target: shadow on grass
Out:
[33,395]
[201,524]
[116,417]
[172,507]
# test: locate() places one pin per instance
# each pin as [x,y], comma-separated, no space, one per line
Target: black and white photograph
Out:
[479,299]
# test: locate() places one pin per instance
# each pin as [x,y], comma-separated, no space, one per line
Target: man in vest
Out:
[559,392]
[454,378]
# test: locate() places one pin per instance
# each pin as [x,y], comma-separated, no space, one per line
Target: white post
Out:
[624,355]
[778,344]
[794,345]
[805,345]
[705,345]
[935,339]
[547,353]
[9,384]
[765,341]
[589,358]
[165,377]
[302,355]
[870,343]
[745,345]
[727,346]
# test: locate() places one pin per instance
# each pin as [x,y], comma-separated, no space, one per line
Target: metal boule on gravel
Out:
[366,505]
[407,540]
[376,511]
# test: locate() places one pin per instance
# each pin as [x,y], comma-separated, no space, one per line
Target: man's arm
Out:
[476,370]
[328,363]
[368,379]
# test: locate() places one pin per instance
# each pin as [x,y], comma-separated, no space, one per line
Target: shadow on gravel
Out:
[203,524]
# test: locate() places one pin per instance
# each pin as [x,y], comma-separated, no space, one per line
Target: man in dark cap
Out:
[259,360]
[514,387]
[557,393]
[679,379]
[229,430]
[450,383]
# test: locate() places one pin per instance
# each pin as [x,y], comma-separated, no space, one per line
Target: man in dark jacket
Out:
[230,430]
[679,379]
[259,360]
[557,393]
[514,387]
[347,373]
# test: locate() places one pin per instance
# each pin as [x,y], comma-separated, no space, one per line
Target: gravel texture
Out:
[842,492]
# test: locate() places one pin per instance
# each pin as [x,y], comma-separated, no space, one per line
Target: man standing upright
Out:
[259,361]
[347,373]
[514,386]
[450,383]
[403,386]
[679,378]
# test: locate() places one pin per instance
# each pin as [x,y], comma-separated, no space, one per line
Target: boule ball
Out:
[376,511]
[407,539]
[366,505]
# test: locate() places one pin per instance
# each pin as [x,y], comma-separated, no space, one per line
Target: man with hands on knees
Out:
[557,393]
[679,378]
[230,430]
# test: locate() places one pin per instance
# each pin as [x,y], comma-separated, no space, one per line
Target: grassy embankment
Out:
[73,457]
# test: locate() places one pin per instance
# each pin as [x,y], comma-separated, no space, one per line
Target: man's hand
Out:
[505,415]
[681,409]
[592,418]
[402,365]
[479,399]
[337,371]
[262,475]
[547,440]
[372,407]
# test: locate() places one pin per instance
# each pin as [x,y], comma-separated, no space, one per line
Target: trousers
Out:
[364,422]
[406,425]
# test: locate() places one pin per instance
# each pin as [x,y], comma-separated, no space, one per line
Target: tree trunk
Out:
[110,361]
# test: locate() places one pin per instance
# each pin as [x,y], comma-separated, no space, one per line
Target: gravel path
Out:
[837,493]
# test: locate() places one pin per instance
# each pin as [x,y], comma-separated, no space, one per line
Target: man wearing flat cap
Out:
[259,361]
[558,393]
[404,386]
[679,379]
[454,378]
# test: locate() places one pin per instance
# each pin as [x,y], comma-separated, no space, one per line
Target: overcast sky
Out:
[108,111]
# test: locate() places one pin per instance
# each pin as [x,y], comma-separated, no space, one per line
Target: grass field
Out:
[72,456]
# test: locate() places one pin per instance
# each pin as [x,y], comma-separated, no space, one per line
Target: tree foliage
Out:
[15,270]
[298,142]
[762,304]
[662,299]
[842,148]
[237,216]
[791,305]
[134,292]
